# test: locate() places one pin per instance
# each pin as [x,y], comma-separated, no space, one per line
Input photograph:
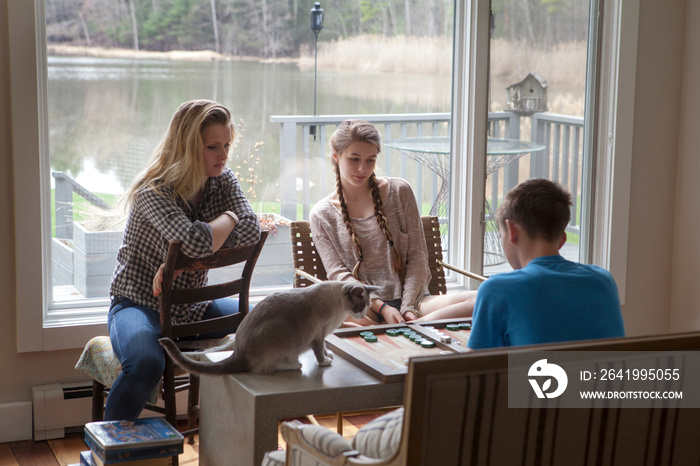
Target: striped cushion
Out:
[380,438]
[324,440]
[274,458]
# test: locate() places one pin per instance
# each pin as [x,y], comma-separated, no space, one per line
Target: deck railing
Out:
[65,186]
[305,171]
[306,174]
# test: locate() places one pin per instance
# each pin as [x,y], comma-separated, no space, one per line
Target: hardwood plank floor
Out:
[7,458]
[66,451]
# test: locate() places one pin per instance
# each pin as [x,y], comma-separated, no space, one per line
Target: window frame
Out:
[39,330]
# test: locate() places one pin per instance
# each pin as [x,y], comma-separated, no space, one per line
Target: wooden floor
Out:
[66,451]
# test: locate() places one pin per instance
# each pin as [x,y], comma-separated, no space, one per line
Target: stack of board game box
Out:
[144,442]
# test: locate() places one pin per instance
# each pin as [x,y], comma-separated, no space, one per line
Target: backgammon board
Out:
[385,353]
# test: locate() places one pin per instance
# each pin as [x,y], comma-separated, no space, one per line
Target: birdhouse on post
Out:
[528,96]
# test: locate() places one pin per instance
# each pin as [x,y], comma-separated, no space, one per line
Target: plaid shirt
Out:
[155,220]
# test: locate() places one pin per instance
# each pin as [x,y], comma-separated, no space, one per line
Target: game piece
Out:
[366,333]
[394,332]
[371,338]
[427,344]
[465,326]
[452,326]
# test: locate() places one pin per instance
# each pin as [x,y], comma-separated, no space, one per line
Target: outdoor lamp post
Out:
[316,26]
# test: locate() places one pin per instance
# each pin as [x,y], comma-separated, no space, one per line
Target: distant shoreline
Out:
[174,55]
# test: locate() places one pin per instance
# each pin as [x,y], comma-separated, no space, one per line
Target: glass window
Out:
[115,75]
[128,123]
[537,101]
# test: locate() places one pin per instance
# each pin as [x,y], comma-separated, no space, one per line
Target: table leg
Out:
[240,443]
[239,413]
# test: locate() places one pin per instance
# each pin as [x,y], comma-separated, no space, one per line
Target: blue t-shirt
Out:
[549,300]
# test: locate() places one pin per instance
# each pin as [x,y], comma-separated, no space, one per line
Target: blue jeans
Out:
[134,331]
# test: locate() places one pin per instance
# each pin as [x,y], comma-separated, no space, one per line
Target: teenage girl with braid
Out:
[369,230]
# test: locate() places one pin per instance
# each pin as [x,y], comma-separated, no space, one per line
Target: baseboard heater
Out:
[59,408]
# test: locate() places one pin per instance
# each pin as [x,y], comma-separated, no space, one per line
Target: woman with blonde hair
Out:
[186,194]
[369,230]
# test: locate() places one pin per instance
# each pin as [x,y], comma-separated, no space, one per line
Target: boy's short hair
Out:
[539,206]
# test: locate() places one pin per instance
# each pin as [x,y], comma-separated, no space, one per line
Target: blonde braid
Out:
[348,222]
[381,220]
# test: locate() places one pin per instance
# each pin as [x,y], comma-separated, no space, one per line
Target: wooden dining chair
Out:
[102,365]
[309,269]
[240,286]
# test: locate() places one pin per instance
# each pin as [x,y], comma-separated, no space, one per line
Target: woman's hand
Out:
[158,280]
[409,316]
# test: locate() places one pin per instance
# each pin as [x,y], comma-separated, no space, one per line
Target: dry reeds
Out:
[563,66]
[375,53]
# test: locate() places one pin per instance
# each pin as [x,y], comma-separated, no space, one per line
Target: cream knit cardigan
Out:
[339,256]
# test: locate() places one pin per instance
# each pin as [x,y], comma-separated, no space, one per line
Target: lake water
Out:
[106,115]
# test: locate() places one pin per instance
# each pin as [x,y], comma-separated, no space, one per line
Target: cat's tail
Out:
[230,365]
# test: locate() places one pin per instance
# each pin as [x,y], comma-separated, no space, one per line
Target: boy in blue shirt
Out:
[547,298]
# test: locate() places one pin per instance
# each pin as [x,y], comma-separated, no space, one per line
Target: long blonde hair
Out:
[345,134]
[177,160]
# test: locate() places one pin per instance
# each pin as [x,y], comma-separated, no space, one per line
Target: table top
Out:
[341,374]
[441,145]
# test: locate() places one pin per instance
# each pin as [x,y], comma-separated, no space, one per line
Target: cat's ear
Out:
[360,292]
[355,291]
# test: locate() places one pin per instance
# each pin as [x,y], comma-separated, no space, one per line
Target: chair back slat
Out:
[208,293]
[237,285]
[304,254]
[433,243]
[221,258]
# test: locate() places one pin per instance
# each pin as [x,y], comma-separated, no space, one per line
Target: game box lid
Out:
[132,435]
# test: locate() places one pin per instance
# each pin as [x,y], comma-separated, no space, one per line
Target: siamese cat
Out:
[284,325]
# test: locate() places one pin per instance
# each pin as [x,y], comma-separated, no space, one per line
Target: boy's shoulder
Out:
[545,268]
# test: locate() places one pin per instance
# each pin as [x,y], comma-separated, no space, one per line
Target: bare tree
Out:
[407,16]
[83,24]
[133,24]
[215,25]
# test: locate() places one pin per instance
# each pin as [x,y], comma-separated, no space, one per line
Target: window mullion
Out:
[469,128]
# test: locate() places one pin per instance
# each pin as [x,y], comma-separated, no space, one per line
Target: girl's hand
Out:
[158,280]
[409,316]
[392,315]
[350,324]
